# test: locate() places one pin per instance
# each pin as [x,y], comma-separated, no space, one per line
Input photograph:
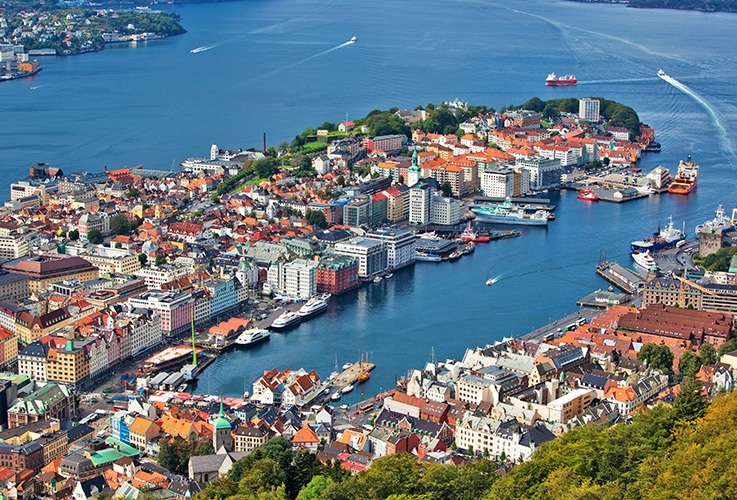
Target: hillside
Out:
[665,453]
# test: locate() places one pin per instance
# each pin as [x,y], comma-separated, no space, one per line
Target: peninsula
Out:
[118,289]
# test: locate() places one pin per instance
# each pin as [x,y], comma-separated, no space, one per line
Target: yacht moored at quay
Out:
[286,320]
[314,306]
[252,336]
[507,213]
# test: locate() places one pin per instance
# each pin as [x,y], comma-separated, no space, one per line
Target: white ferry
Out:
[252,336]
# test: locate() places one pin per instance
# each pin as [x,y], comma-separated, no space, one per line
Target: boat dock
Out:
[623,278]
[350,375]
[603,299]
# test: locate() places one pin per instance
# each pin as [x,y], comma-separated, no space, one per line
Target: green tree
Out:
[119,224]
[727,347]
[708,354]
[304,467]
[94,236]
[316,218]
[657,356]
[446,189]
[73,235]
[315,489]
[214,198]
[689,364]
[160,260]
[174,456]
[143,259]
[263,475]
[689,404]
[133,193]
[204,448]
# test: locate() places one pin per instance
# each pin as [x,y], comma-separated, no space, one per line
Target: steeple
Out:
[413,172]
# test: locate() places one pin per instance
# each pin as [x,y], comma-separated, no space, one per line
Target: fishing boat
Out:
[363,377]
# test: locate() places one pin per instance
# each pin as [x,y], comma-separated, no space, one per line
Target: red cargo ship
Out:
[560,80]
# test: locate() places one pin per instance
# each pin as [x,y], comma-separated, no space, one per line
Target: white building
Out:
[544,172]
[498,183]
[445,211]
[420,201]
[13,247]
[155,276]
[588,109]
[400,246]
[300,278]
[145,331]
[371,255]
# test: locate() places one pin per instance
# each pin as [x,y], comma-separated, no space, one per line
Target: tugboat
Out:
[587,194]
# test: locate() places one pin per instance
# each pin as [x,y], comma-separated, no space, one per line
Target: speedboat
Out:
[353,39]
[377,279]
[490,282]
[347,389]
[336,396]
[253,336]
[346,366]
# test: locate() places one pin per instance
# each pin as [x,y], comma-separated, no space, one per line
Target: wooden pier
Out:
[350,375]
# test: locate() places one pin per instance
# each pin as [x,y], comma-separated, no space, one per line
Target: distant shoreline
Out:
[692,5]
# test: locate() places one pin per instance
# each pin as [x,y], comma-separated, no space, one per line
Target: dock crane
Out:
[687,284]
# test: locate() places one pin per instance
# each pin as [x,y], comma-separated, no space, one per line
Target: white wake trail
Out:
[726,144]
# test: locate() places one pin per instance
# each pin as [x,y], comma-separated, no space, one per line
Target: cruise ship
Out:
[252,336]
[686,177]
[506,213]
[314,306]
[286,320]
[665,238]
[720,222]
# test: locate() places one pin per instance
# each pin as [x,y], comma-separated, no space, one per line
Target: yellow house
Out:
[29,327]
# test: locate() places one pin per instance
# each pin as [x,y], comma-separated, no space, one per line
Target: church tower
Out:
[221,436]
[413,172]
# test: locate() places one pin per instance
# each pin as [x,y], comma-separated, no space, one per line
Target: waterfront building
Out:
[23,189]
[400,246]
[175,309]
[544,172]
[44,270]
[337,274]
[498,183]
[445,211]
[397,207]
[358,211]
[420,200]
[223,296]
[588,109]
[371,255]
[144,328]
[667,291]
[300,278]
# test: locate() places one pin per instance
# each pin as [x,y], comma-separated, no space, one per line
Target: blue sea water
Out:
[276,67]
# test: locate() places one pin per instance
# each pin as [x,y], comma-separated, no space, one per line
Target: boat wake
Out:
[622,80]
[726,144]
[205,48]
[36,87]
[315,56]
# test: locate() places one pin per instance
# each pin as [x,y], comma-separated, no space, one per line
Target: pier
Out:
[623,278]
[603,299]
[350,375]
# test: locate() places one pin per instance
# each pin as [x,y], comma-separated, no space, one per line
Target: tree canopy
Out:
[657,356]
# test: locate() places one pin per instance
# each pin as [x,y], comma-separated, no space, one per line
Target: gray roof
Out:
[206,463]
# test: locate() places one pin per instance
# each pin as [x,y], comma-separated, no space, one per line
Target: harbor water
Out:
[251,67]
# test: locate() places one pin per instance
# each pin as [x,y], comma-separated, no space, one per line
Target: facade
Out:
[32,361]
[400,246]
[8,349]
[14,287]
[498,183]
[386,143]
[544,172]
[248,439]
[29,327]
[50,401]
[141,431]
[223,296]
[336,274]
[13,247]
[357,211]
[371,255]
[420,202]
[588,109]
[445,211]
[68,365]
[175,310]
[300,278]
[44,270]
[113,262]
[92,221]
